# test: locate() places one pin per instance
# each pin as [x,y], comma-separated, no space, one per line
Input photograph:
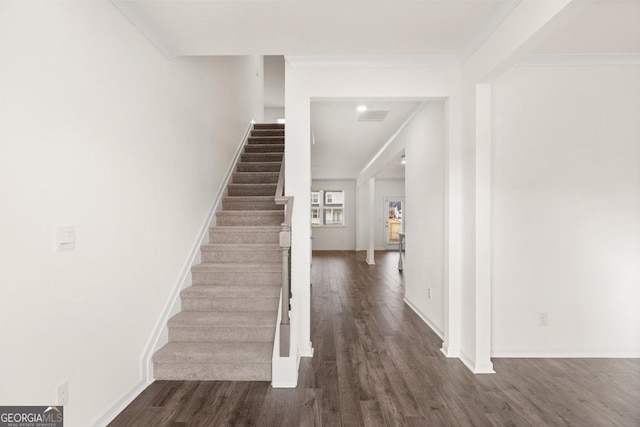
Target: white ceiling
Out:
[321,27]
[342,145]
[328,30]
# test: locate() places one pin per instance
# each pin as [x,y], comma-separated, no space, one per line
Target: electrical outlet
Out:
[429,293]
[63,393]
[542,319]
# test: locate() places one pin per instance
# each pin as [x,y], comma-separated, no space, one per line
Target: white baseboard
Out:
[109,415]
[160,335]
[574,353]
[477,368]
[424,318]
[451,352]
[306,351]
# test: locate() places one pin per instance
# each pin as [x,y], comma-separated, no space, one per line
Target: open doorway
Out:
[393,224]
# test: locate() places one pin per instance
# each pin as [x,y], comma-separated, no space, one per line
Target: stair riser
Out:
[243,257]
[255,178]
[218,236]
[267,132]
[229,304]
[212,372]
[268,126]
[252,190]
[265,140]
[261,157]
[264,148]
[248,205]
[259,167]
[237,278]
[249,219]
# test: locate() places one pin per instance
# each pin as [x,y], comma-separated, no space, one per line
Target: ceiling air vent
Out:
[372,116]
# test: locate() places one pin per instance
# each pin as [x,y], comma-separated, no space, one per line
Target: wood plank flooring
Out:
[377,364]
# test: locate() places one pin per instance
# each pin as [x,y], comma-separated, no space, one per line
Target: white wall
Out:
[271,115]
[100,131]
[273,88]
[424,268]
[566,211]
[342,238]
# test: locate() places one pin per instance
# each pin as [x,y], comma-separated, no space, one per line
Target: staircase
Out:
[226,328]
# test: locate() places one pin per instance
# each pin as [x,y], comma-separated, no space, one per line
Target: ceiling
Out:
[342,145]
[439,31]
[321,27]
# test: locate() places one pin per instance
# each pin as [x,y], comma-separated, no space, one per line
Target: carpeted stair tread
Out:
[244,234]
[245,228]
[214,353]
[264,148]
[268,125]
[267,132]
[247,291]
[240,247]
[241,253]
[253,140]
[253,298]
[260,319]
[250,203]
[249,217]
[252,189]
[259,167]
[261,157]
[234,267]
[249,213]
[255,177]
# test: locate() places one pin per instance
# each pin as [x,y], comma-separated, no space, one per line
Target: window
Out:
[327,208]
[315,197]
[315,216]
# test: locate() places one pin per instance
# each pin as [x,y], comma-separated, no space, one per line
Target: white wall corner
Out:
[118,406]
[424,318]
[449,351]
[130,11]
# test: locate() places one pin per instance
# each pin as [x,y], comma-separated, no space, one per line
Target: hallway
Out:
[377,363]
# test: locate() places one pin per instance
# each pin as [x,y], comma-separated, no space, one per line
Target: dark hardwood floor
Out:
[377,364]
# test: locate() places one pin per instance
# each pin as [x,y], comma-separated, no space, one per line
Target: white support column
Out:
[483,229]
[371,215]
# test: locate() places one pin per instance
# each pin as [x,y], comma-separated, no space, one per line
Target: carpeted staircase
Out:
[226,328]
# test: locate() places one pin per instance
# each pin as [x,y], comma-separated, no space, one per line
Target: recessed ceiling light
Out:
[361,108]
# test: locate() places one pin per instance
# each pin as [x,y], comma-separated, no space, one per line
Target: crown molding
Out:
[383,61]
[581,59]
